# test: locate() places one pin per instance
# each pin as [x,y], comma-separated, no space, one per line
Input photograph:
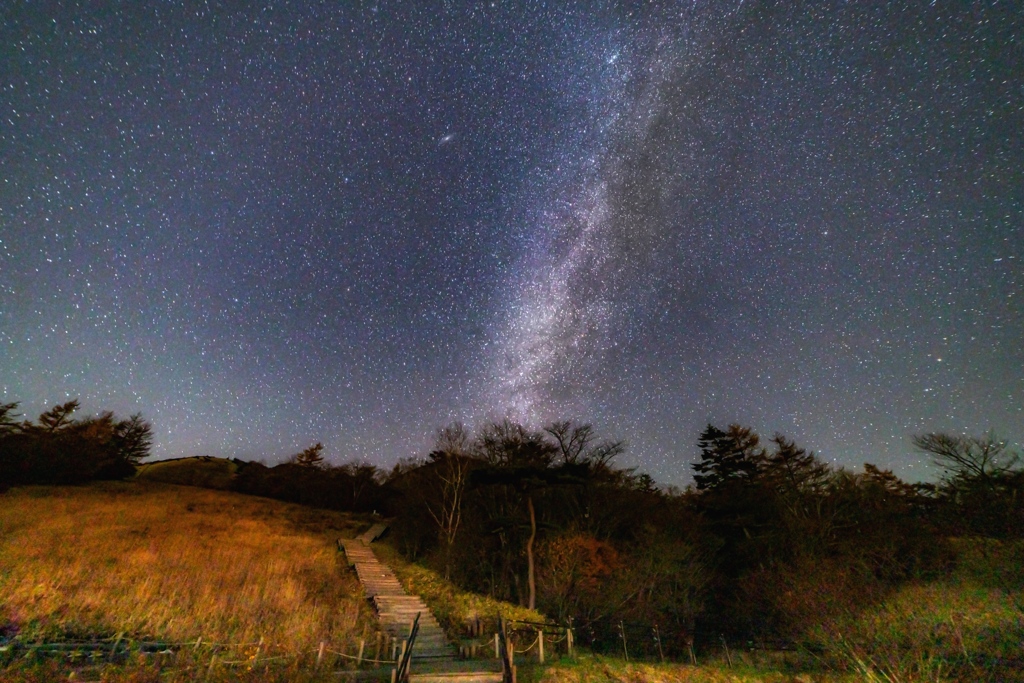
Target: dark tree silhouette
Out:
[727,457]
[59,449]
[982,484]
[57,417]
[311,457]
[8,425]
[969,457]
[133,439]
[578,443]
[521,459]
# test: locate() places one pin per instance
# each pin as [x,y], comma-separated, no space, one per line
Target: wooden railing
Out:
[507,653]
[400,674]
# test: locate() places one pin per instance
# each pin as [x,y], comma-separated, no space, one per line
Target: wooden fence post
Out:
[213,663]
[320,654]
[497,652]
[622,632]
[359,657]
[540,644]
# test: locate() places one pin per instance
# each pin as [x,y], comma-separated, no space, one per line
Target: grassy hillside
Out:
[967,626]
[163,562]
[175,563]
[200,470]
[453,607]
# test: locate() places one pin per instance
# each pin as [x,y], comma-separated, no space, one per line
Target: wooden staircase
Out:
[396,609]
[433,657]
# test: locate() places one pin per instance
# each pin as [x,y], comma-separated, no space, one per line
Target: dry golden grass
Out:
[174,563]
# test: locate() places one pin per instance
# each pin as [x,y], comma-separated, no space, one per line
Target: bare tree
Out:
[578,443]
[969,457]
[451,461]
[363,477]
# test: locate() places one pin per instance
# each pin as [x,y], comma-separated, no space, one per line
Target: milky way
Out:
[570,288]
[584,285]
[279,225]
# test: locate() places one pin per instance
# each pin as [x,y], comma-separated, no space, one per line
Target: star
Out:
[650,219]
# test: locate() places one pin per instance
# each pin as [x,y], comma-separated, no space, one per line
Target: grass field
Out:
[174,563]
[253,578]
[958,629]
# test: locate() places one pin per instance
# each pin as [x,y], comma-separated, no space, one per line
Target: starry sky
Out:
[265,226]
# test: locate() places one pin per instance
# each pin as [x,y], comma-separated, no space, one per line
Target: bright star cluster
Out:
[276,224]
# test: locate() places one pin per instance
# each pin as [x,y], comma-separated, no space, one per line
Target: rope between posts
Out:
[128,644]
[250,661]
[364,659]
[535,641]
[482,642]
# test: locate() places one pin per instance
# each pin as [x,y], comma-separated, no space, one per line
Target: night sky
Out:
[353,223]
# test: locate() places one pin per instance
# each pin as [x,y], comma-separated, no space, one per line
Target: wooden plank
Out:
[396,608]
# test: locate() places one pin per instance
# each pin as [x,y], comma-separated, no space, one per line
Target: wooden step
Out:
[373,533]
[456,677]
[396,609]
[432,639]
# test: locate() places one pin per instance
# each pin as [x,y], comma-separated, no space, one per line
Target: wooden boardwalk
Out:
[396,610]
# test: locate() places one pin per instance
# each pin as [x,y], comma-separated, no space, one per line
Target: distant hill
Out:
[201,470]
[353,488]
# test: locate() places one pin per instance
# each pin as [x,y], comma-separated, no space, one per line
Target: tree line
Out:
[768,543]
[59,448]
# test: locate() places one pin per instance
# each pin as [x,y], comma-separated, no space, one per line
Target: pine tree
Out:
[727,457]
[311,457]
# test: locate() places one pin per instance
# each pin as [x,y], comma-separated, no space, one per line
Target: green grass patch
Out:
[990,562]
[597,669]
[202,470]
[951,630]
[453,608]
